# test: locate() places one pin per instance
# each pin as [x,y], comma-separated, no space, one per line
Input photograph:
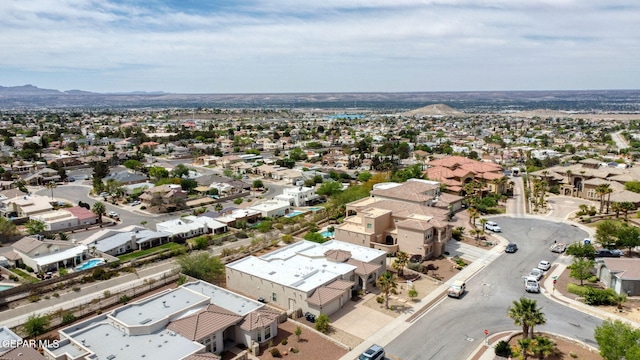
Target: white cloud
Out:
[273,44]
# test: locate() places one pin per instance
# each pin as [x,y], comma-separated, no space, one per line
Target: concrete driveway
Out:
[360,320]
[563,206]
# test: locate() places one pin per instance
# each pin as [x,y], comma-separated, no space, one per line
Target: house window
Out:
[267,332]
[368,226]
[274,297]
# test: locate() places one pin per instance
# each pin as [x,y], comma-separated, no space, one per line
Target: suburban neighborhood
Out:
[236,234]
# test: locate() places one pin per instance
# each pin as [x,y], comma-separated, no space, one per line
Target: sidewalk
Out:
[389,332]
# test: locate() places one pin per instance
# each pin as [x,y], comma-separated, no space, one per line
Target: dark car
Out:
[607,253]
[511,248]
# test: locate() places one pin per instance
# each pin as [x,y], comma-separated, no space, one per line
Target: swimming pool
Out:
[327,234]
[316,208]
[293,214]
[89,264]
[5,287]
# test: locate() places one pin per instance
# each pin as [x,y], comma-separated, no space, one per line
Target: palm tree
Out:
[99,209]
[601,191]
[483,221]
[616,207]
[525,345]
[473,215]
[400,262]
[218,207]
[386,282]
[542,347]
[51,185]
[526,313]
[627,206]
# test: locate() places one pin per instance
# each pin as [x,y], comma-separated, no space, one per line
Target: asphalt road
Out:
[455,327]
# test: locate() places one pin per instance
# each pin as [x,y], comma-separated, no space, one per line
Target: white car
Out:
[536,273]
[531,285]
[112,214]
[544,265]
[490,225]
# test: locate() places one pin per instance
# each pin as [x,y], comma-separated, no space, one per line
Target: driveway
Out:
[360,320]
[563,206]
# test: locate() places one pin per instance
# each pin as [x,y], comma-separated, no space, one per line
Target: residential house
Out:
[620,274]
[25,206]
[316,278]
[168,193]
[454,172]
[298,196]
[126,177]
[193,321]
[393,226]
[191,226]
[271,208]
[48,255]
[118,242]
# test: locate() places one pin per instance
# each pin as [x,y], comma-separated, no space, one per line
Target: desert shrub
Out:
[322,323]
[55,295]
[76,288]
[275,353]
[577,289]
[242,235]
[380,299]
[217,242]
[34,298]
[294,350]
[503,349]
[28,269]
[284,342]
[68,318]
[124,299]
[106,293]
[600,297]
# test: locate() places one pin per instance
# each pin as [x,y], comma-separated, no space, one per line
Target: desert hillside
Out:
[433,110]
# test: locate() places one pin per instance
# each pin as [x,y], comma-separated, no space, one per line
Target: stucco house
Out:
[49,255]
[620,274]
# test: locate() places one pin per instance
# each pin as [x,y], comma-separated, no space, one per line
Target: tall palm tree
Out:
[473,215]
[526,313]
[51,185]
[601,191]
[386,282]
[99,209]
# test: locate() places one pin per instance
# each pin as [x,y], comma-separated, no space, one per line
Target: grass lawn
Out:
[618,222]
[140,253]
[26,276]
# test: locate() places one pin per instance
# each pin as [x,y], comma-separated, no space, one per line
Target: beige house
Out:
[392,226]
[315,278]
[49,255]
[25,206]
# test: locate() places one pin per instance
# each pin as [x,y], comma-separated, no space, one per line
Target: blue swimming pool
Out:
[5,287]
[316,208]
[90,264]
[295,213]
[327,234]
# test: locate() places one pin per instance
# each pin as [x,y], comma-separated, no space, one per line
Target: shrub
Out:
[106,294]
[143,207]
[600,297]
[413,293]
[380,299]
[55,295]
[593,279]
[577,289]
[28,268]
[275,353]
[294,350]
[322,323]
[68,318]
[242,235]
[503,349]
[283,342]
[76,288]
[124,299]
[34,298]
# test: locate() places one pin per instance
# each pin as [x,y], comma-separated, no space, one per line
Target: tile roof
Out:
[26,244]
[363,268]
[627,269]
[337,255]
[81,213]
[258,319]
[327,293]
[205,322]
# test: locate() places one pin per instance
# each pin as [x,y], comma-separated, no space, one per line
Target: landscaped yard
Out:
[26,276]
[153,250]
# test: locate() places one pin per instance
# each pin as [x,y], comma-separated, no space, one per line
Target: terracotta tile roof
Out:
[414,224]
[363,268]
[81,213]
[337,255]
[203,323]
[405,210]
[439,172]
[410,190]
[258,319]
[328,293]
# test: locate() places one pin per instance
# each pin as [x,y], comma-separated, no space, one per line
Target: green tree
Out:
[201,242]
[581,269]
[202,265]
[606,232]
[298,332]
[315,237]
[400,262]
[618,340]
[386,282]
[526,313]
[581,250]
[36,325]
[258,184]
[329,188]
[132,164]
[297,154]
[364,176]
[7,228]
[629,237]
[322,323]
[180,171]
[632,186]
[99,209]
[158,172]
[542,347]
[218,207]
[34,226]
[265,226]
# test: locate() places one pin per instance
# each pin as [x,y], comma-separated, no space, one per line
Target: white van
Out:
[531,284]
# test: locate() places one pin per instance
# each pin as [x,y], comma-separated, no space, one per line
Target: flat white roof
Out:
[60,255]
[158,307]
[302,265]
[224,298]
[7,337]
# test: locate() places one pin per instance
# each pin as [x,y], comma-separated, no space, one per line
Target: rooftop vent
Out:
[145,321]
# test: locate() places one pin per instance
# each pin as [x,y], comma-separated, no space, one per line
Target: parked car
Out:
[558,247]
[456,289]
[544,265]
[606,253]
[374,352]
[135,203]
[531,284]
[537,273]
[617,252]
[511,248]
[113,214]
[493,226]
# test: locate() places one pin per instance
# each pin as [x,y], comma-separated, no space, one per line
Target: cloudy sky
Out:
[270,46]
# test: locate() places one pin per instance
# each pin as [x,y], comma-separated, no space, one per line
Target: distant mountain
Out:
[79,92]
[434,110]
[27,90]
